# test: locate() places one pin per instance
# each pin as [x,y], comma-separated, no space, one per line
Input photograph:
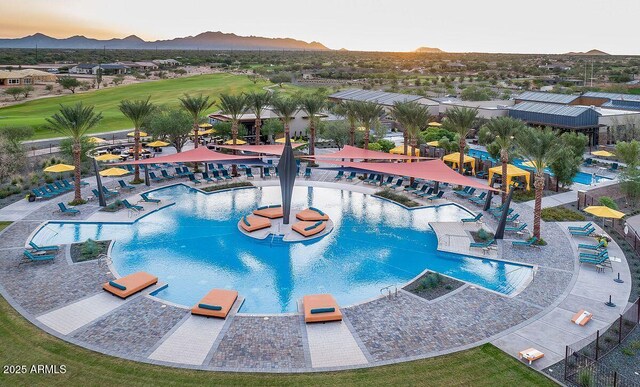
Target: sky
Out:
[536,26]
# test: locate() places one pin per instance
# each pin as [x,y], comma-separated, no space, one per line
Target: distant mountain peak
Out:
[428,50]
[589,53]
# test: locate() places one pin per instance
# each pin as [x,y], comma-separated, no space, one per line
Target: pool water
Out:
[580,177]
[195,246]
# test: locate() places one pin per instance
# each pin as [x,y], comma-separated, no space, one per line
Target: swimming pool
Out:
[580,177]
[195,246]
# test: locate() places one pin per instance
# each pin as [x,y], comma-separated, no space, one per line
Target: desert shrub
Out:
[608,202]
[559,214]
[90,249]
[483,234]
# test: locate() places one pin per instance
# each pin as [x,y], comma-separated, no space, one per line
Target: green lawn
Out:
[4,224]
[33,113]
[23,344]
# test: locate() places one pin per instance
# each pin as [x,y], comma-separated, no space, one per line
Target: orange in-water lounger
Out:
[255,223]
[582,317]
[130,284]
[317,308]
[271,212]
[306,228]
[311,215]
[217,303]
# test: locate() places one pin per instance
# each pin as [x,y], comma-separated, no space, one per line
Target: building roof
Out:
[112,66]
[86,65]
[612,96]
[19,74]
[380,97]
[550,108]
[624,105]
[541,96]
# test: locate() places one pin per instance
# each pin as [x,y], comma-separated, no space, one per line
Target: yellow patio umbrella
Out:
[602,153]
[238,142]
[435,124]
[158,144]
[604,212]
[97,140]
[114,172]
[434,143]
[142,134]
[108,157]
[59,168]
[361,128]
[205,126]
[399,150]
[202,132]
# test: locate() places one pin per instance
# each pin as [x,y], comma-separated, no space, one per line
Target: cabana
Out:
[454,159]
[399,150]
[512,171]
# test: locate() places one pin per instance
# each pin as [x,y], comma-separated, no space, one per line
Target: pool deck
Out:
[66,300]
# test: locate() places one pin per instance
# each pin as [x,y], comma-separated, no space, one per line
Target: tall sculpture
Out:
[288,170]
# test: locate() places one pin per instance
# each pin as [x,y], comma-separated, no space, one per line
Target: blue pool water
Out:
[195,246]
[580,177]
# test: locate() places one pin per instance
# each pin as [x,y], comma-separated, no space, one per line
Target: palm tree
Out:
[256,102]
[347,110]
[196,106]
[460,120]
[541,148]
[412,116]
[286,108]
[312,105]
[368,114]
[499,134]
[139,112]
[233,106]
[74,122]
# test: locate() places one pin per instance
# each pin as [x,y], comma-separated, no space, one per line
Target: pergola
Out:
[454,159]
[512,171]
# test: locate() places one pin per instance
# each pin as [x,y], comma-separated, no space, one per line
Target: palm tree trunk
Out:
[352,134]
[312,140]
[504,158]
[461,144]
[195,134]
[234,138]
[136,154]
[286,129]
[76,172]
[537,210]
[258,125]
[366,138]
[406,141]
[414,144]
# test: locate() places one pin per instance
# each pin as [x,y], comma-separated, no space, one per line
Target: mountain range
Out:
[205,41]
[428,50]
[588,53]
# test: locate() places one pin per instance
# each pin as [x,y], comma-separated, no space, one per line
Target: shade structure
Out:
[59,168]
[454,159]
[604,212]
[200,154]
[351,152]
[205,126]
[264,149]
[114,172]
[238,142]
[142,134]
[435,124]
[158,144]
[97,140]
[512,171]
[202,132]
[108,157]
[602,153]
[399,150]
[293,144]
[434,170]
[434,143]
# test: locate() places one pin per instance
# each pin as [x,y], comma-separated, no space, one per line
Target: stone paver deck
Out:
[333,345]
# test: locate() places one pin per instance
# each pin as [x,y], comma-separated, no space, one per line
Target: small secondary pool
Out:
[195,246]
[580,177]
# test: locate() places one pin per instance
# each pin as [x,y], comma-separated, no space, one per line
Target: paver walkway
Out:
[333,345]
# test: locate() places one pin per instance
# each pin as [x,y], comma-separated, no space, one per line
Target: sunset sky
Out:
[537,26]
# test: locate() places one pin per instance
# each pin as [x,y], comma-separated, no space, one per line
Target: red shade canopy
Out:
[201,154]
[351,152]
[265,149]
[435,170]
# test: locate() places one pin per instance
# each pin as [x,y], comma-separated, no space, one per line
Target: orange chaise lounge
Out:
[130,284]
[308,229]
[312,214]
[254,223]
[320,308]
[272,212]
[217,303]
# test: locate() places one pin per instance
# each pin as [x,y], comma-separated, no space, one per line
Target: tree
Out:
[234,107]
[567,166]
[368,114]
[286,108]
[460,121]
[15,92]
[629,153]
[118,79]
[223,129]
[312,105]
[69,83]
[386,145]
[412,116]
[271,128]
[98,77]
[347,110]
[256,103]
[13,157]
[475,93]
[27,90]
[74,122]
[139,113]
[336,131]
[499,136]
[173,126]
[280,78]
[195,106]
[374,146]
[541,148]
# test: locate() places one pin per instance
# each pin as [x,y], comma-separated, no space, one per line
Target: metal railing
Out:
[389,292]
